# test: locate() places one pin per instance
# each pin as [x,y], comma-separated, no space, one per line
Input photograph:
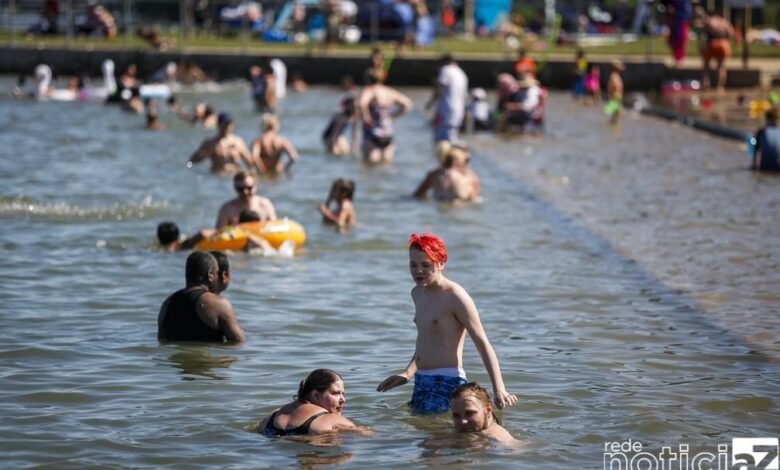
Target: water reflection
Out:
[196,362]
[317,459]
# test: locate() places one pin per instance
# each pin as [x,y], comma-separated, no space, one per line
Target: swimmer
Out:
[766,156]
[245,185]
[226,150]
[202,114]
[263,83]
[170,240]
[453,180]
[223,271]
[472,412]
[343,213]
[444,313]
[333,136]
[152,117]
[197,313]
[379,105]
[169,237]
[267,150]
[615,91]
[297,83]
[316,410]
[450,97]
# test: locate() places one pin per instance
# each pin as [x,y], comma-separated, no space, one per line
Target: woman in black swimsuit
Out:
[316,409]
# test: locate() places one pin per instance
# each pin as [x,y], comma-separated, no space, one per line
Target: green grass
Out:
[644,46]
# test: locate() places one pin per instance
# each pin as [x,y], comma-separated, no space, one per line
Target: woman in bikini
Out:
[267,150]
[316,409]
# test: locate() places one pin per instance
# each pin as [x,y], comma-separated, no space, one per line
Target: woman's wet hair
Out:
[319,380]
[167,233]
[371,77]
[270,121]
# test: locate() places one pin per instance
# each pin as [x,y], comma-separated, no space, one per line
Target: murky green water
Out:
[586,312]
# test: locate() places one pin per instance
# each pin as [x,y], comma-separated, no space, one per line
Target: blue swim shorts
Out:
[432,392]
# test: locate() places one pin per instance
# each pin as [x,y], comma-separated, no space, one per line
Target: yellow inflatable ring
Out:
[236,237]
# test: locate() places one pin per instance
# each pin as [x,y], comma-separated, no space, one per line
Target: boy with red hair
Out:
[444,312]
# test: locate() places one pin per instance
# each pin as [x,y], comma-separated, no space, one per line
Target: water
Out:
[598,313]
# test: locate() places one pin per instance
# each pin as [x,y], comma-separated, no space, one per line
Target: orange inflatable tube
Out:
[236,237]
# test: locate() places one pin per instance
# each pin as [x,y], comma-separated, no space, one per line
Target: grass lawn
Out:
[654,46]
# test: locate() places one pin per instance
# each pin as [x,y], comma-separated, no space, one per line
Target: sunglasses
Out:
[241,189]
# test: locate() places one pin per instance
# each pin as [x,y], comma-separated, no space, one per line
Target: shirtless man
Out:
[472,412]
[453,180]
[379,105]
[444,312]
[245,185]
[226,150]
[718,32]
[197,312]
[267,150]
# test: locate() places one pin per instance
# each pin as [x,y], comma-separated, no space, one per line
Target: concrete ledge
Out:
[696,123]
[412,71]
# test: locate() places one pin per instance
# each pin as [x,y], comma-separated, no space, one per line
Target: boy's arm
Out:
[467,313]
[399,379]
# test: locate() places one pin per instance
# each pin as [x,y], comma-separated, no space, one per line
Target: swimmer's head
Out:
[471,408]
[430,245]
[202,269]
[617,65]
[270,122]
[343,188]
[771,117]
[248,216]
[322,387]
[457,154]
[255,71]
[244,184]
[224,120]
[167,233]
[446,59]
[223,272]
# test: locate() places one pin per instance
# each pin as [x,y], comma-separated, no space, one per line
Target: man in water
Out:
[766,156]
[453,180]
[267,150]
[226,150]
[379,105]
[245,185]
[263,84]
[223,272]
[444,313]
[197,312]
[450,95]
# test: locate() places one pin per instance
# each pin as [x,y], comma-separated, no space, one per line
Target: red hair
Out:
[431,245]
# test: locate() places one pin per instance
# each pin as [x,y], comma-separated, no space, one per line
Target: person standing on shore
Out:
[719,32]
[614,106]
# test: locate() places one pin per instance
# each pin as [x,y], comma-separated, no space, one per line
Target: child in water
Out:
[592,83]
[338,209]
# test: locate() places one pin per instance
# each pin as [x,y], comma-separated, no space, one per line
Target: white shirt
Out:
[532,97]
[454,90]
